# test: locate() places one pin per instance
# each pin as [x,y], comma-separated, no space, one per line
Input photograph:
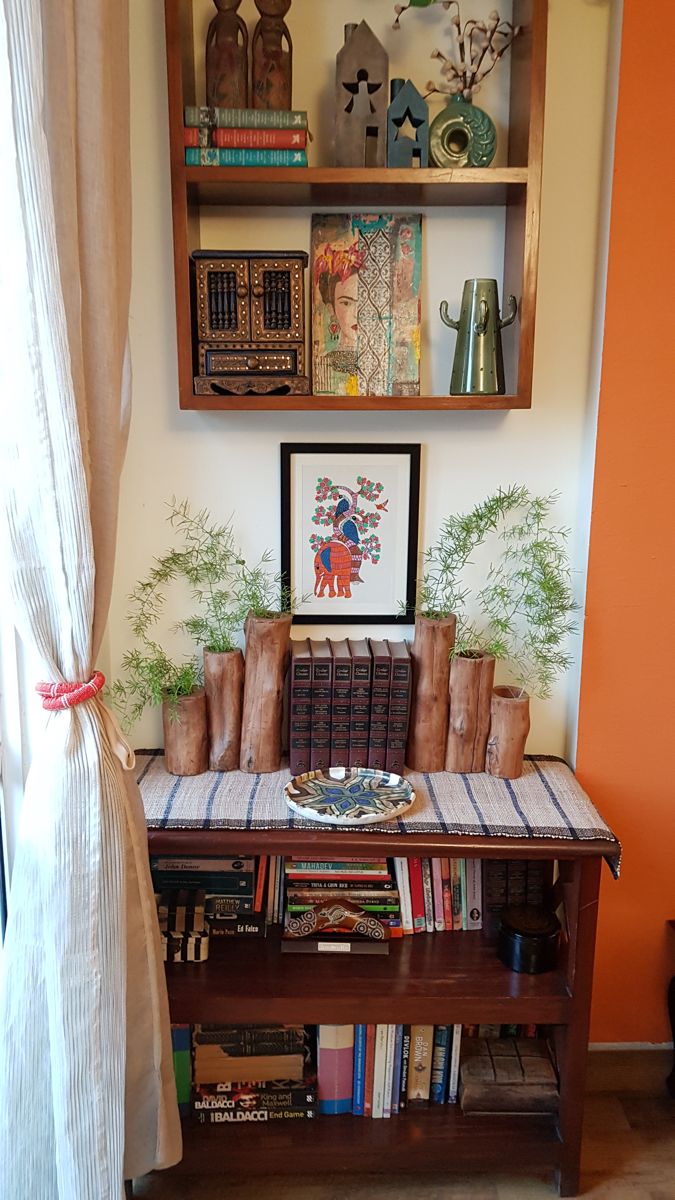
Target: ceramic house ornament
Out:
[361,96]
[407,126]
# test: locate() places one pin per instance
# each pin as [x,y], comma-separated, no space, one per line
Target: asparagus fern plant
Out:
[525,610]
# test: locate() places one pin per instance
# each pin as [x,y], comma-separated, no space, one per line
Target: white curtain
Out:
[86,1081]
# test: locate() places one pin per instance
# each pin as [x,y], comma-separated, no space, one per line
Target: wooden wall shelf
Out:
[328,186]
[514,188]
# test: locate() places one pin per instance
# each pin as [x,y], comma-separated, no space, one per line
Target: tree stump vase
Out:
[509,727]
[430,654]
[267,643]
[186,744]
[471,681]
[224,687]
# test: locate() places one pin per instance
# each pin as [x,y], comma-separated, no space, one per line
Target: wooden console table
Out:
[435,979]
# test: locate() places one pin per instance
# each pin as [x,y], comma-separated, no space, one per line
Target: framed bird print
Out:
[349,525]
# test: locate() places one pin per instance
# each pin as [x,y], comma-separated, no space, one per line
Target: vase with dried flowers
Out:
[463,135]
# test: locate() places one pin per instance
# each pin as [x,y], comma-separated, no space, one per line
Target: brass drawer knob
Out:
[242,291]
[252,363]
[258,290]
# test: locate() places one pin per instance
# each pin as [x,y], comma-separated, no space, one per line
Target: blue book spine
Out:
[440,1064]
[398,1059]
[196,156]
[359,1089]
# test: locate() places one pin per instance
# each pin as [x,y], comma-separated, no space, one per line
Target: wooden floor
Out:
[629,1153]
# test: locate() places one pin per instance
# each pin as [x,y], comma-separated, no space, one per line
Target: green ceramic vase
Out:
[462,135]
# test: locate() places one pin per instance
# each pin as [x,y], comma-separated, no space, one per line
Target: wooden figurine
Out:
[272,56]
[361,87]
[227,58]
[407,126]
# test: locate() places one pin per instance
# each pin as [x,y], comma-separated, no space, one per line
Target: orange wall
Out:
[625,755]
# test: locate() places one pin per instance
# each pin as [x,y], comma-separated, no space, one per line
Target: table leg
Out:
[670,1080]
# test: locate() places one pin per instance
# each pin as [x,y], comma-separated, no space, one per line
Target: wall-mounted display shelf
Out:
[514,188]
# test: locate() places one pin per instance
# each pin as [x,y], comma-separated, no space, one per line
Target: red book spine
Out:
[260,883]
[341,705]
[417,894]
[368,1071]
[399,707]
[200,137]
[259,139]
[379,705]
[360,706]
[322,672]
[446,884]
[300,733]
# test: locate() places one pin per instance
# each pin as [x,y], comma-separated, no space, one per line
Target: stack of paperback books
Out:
[349,704]
[245,137]
[202,897]
[253,1073]
[341,890]
[380,1070]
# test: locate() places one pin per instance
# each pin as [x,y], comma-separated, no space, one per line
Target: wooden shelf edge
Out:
[370,176]
[421,1139]
[192,403]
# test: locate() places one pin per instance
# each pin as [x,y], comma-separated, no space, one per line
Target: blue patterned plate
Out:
[349,796]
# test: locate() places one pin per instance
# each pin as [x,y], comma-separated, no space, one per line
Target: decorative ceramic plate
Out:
[349,796]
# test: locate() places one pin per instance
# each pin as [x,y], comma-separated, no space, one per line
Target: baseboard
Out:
[628,1067]
[630,1046]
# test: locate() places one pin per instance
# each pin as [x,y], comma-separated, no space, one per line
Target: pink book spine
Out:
[437,884]
[447,893]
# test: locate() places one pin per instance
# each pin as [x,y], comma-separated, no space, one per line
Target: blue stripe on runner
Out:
[511,790]
[169,802]
[251,800]
[220,775]
[434,800]
[554,800]
[146,768]
[476,807]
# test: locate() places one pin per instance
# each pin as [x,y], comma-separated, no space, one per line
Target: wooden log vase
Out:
[267,641]
[224,687]
[472,677]
[429,706]
[509,727]
[186,744]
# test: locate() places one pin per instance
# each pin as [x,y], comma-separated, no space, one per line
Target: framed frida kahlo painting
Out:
[366,272]
[349,522]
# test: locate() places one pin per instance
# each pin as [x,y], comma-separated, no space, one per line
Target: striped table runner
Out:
[546,802]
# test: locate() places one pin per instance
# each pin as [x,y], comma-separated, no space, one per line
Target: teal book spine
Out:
[196,157]
[359,1087]
[440,1064]
[245,118]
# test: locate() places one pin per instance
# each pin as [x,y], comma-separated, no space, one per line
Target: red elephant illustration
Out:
[333,570]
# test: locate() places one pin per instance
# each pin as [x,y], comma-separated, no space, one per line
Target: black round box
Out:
[528,939]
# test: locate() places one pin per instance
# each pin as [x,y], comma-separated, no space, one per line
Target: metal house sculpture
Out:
[407,126]
[361,92]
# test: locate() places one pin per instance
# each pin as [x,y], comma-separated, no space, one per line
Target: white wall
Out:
[229,462]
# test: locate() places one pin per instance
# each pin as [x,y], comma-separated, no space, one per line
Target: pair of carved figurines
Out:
[227,73]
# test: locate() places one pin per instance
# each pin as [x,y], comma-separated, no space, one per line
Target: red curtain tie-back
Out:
[58,696]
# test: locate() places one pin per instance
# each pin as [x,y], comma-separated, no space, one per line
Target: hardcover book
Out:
[379,704]
[300,717]
[213,157]
[341,703]
[322,688]
[399,707]
[212,1065]
[259,139]
[360,704]
[245,118]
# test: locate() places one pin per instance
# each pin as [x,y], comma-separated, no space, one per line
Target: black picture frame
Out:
[290,451]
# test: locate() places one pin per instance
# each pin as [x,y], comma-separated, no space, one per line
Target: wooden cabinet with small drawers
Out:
[249,322]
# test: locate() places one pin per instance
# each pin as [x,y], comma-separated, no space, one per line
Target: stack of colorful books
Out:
[200,897]
[346,887]
[245,137]
[253,1073]
[349,704]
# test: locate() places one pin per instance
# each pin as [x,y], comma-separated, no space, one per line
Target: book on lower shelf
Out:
[375,1071]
